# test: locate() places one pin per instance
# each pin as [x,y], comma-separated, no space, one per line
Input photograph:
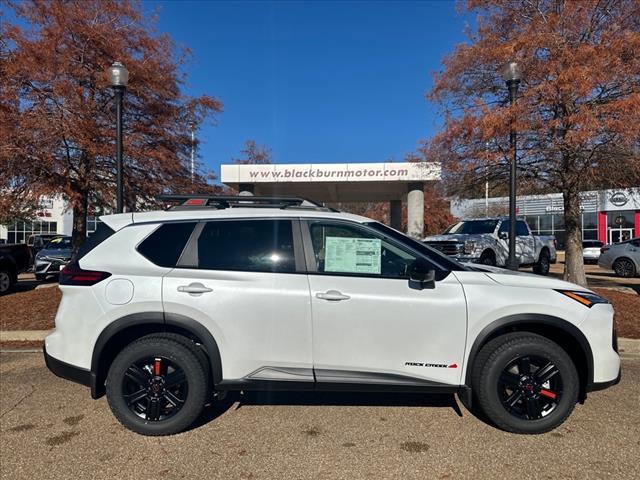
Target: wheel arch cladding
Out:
[120,333]
[565,334]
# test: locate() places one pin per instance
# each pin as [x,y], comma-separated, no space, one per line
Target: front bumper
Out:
[48,267]
[67,371]
[602,385]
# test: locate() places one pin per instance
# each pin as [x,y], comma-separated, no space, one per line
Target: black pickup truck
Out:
[14,259]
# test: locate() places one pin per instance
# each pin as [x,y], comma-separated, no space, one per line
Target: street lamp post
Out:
[118,78]
[511,74]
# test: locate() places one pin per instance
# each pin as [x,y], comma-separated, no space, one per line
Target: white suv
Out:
[166,310]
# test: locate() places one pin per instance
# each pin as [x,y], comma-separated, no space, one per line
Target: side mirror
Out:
[421,276]
[503,236]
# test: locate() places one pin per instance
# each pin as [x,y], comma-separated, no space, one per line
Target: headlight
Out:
[469,246]
[588,299]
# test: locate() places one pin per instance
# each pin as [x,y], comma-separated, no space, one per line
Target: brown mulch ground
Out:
[627,308]
[21,345]
[32,310]
[36,309]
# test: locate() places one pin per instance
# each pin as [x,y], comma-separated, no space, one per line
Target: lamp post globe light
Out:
[118,77]
[512,74]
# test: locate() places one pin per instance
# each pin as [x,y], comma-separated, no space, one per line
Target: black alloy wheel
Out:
[530,387]
[158,384]
[155,388]
[525,383]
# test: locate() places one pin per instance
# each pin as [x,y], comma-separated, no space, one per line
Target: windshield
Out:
[440,258]
[473,227]
[59,243]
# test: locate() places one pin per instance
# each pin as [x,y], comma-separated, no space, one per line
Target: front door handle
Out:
[194,289]
[332,296]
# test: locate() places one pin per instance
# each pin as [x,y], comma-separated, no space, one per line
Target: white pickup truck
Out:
[486,241]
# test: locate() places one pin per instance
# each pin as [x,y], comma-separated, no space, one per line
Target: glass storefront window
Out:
[546,222]
[590,221]
[18,232]
[558,222]
[621,219]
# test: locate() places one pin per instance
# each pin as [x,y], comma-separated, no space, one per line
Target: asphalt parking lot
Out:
[51,429]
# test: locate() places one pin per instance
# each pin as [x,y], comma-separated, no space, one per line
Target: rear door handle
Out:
[332,296]
[194,289]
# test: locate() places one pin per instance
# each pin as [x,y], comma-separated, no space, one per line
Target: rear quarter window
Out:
[165,245]
[103,231]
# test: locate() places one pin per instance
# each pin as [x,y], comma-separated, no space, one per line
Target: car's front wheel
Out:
[6,280]
[157,385]
[525,383]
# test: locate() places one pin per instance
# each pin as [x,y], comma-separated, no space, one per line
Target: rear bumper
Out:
[67,371]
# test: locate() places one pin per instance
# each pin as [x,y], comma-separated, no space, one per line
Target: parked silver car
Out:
[623,258]
[591,250]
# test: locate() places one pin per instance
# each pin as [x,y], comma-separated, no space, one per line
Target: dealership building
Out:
[607,215]
[343,182]
[53,217]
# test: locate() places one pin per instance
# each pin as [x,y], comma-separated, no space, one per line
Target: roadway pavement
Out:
[51,429]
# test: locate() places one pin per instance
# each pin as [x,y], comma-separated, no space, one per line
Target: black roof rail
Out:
[195,201]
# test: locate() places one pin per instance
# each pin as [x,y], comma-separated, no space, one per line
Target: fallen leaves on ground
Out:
[32,310]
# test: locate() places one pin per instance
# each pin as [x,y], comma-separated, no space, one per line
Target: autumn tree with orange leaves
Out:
[58,110]
[578,111]
[254,154]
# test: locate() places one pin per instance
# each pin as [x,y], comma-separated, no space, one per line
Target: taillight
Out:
[604,249]
[72,274]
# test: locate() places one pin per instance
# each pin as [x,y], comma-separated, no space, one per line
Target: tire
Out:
[7,280]
[624,268]
[518,402]
[153,406]
[543,265]
[488,258]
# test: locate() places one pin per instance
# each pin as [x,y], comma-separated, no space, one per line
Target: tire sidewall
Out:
[7,281]
[623,275]
[196,381]
[543,266]
[491,402]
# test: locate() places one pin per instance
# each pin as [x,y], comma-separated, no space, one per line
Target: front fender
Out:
[522,322]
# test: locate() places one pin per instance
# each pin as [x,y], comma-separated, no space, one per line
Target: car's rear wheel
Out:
[157,385]
[525,383]
[543,265]
[624,268]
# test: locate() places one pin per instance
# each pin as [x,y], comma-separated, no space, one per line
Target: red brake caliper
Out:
[156,367]
[548,394]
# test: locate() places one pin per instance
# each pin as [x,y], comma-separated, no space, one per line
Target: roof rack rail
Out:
[188,202]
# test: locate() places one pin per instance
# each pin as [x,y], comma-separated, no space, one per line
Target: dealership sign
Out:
[331,172]
[619,199]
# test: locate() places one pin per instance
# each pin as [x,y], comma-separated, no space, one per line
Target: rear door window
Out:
[521,228]
[165,245]
[247,245]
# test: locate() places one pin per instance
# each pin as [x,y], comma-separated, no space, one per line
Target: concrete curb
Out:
[23,335]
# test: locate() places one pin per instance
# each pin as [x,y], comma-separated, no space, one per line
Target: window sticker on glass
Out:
[352,255]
